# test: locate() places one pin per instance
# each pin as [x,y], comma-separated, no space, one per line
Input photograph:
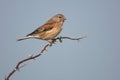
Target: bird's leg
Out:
[52,41]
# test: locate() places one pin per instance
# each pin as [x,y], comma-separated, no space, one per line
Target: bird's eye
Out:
[60,17]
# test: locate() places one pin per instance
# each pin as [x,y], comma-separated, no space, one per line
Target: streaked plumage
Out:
[49,30]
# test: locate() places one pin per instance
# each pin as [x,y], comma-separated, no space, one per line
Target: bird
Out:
[49,30]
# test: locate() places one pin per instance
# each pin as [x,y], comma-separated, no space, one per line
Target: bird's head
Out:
[59,18]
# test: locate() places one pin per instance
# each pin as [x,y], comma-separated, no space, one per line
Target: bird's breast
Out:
[52,33]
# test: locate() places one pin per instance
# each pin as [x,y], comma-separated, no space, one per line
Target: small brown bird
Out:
[49,30]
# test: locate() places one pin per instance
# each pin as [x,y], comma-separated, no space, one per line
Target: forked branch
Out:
[20,64]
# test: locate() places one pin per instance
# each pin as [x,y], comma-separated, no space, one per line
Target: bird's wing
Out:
[47,26]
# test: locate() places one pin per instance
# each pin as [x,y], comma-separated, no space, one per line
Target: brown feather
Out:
[47,26]
[49,30]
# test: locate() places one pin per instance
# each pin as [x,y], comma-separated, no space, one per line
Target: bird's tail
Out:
[24,38]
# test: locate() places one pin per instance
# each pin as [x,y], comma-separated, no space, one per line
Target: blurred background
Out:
[96,57]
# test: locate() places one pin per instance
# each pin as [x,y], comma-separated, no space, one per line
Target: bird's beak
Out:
[65,18]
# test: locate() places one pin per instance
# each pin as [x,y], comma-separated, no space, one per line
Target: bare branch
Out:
[20,64]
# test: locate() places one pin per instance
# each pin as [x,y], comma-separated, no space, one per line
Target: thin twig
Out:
[19,64]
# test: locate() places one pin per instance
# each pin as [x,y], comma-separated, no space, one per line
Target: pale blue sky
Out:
[96,57]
